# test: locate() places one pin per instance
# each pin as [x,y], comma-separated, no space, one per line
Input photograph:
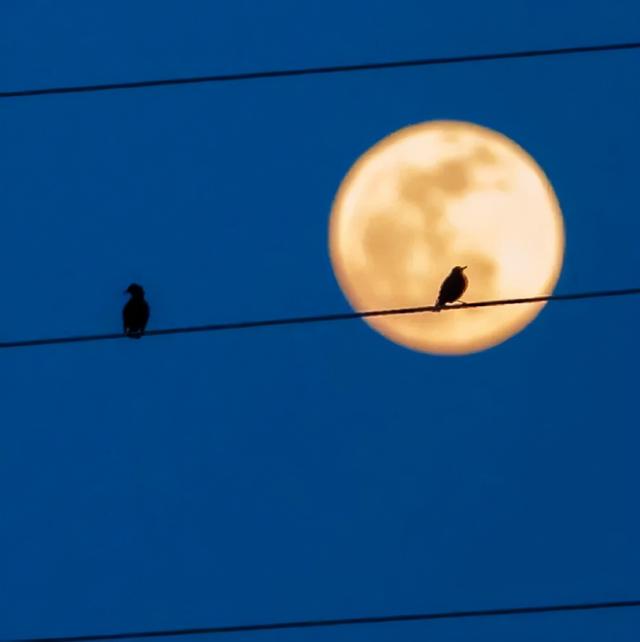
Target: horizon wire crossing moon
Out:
[432,196]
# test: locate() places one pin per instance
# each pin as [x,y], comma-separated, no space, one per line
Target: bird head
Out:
[135,290]
[460,268]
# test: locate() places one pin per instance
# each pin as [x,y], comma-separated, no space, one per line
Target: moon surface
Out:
[436,195]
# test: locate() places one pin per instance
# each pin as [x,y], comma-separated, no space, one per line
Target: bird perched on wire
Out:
[452,288]
[135,313]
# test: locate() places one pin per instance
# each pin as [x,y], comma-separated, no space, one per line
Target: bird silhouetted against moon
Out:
[437,195]
[453,287]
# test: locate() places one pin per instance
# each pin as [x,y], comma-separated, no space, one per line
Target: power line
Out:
[320,318]
[315,71]
[351,621]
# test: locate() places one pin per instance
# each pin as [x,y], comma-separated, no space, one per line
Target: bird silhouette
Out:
[452,288]
[135,313]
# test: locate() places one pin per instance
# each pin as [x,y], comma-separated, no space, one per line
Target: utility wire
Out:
[350,621]
[321,318]
[315,71]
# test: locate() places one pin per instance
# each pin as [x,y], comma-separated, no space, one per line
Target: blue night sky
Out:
[314,471]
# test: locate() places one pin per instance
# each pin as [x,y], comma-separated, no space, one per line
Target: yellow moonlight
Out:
[436,195]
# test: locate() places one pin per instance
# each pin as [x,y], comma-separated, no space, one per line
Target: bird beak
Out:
[465,267]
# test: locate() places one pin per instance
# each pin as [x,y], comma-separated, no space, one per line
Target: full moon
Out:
[436,195]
